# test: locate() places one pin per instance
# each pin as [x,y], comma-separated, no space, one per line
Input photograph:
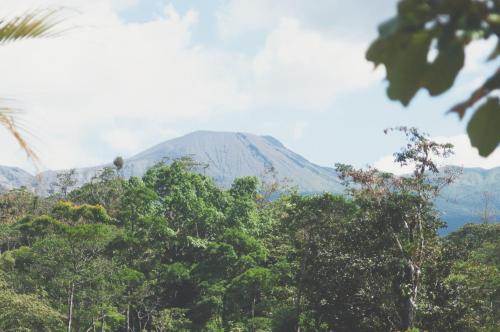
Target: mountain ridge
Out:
[228,154]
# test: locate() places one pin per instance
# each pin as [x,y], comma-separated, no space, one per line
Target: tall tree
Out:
[404,208]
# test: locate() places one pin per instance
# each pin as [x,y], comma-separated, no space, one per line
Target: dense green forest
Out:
[173,252]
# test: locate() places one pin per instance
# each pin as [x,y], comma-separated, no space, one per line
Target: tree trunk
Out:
[410,301]
[409,313]
[70,314]
[128,315]
[299,292]
[253,313]
[298,308]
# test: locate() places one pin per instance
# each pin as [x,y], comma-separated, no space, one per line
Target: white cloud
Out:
[243,16]
[123,140]
[304,69]
[465,156]
[105,87]
[299,129]
[124,4]
[103,72]
[356,18]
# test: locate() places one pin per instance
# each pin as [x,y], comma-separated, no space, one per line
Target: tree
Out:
[67,264]
[245,294]
[16,204]
[171,320]
[487,213]
[105,188]
[66,181]
[421,28]
[118,162]
[403,207]
[472,282]
[271,186]
[333,278]
[29,25]
[26,312]
[136,202]
[190,202]
[79,214]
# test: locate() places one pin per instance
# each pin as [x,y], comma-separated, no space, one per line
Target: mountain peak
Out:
[228,155]
[234,154]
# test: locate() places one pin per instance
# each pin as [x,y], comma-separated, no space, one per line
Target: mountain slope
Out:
[227,155]
[13,177]
[232,155]
[465,199]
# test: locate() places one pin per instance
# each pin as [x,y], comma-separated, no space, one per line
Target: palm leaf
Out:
[30,25]
[7,120]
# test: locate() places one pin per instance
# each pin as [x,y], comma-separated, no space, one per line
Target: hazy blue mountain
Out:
[13,177]
[227,156]
[464,201]
[231,155]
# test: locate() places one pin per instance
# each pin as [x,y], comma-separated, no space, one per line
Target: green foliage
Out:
[19,203]
[406,46]
[104,189]
[190,201]
[483,128]
[80,213]
[118,162]
[173,252]
[171,320]
[22,312]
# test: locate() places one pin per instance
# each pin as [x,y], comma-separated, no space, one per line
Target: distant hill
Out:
[13,177]
[230,155]
[463,201]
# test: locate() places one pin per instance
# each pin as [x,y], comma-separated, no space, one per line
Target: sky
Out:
[120,76]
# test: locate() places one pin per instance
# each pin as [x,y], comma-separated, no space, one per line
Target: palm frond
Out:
[7,120]
[30,25]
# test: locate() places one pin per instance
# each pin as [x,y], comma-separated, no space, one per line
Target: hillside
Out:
[463,201]
[13,177]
